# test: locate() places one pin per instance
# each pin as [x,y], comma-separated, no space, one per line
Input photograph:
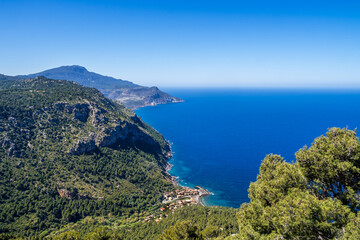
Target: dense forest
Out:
[68,152]
[75,165]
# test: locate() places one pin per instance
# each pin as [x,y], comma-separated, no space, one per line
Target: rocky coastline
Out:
[192,195]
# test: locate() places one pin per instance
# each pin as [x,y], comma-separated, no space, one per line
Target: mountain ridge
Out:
[128,93]
[82,76]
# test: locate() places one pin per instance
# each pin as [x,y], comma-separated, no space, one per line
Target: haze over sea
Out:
[219,137]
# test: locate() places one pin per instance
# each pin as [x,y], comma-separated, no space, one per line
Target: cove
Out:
[220,136]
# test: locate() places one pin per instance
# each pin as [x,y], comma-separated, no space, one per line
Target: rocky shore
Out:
[183,195]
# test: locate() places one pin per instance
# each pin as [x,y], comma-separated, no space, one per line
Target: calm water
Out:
[219,137]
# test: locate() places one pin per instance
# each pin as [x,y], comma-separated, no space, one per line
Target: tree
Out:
[275,179]
[211,232]
[103,233]
[70,235]
[332,166]
[314,198]
[352,229]
[182,230]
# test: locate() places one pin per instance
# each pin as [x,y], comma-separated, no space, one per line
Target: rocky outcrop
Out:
[84,145]
[105,133]
[70,193]
[76,125]
[124,133]
[81,111]
[137,97]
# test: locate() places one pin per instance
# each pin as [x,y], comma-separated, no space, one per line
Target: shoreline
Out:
[202,192]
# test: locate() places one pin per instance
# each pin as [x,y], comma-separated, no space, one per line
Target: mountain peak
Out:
[125,92]
[75,68]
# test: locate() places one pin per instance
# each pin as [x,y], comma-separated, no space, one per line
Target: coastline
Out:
[171,179]
[202,192]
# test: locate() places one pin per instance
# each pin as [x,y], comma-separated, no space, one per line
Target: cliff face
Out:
[77,126]
[129,94]
[104,129]
[140,96]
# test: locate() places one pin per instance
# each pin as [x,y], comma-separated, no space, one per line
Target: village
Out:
[184,196]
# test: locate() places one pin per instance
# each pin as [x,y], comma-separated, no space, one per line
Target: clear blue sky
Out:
[187,42]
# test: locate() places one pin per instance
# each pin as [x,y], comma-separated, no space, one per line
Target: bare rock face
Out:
[124,132]
[105,130]
[76,125]
[84,145]
[81,112]
[64,193]
[68,193]
[137,97]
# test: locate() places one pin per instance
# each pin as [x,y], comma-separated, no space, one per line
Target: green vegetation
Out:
[315,198]
[75,165]
[68,152]
[207,221]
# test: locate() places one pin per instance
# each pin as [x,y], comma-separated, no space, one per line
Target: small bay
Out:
[220,136]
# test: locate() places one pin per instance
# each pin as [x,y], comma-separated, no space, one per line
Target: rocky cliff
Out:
[100,123]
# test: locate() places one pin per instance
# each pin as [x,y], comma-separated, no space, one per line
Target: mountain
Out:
[68,152]
[131,95]
[7,78]
[72,160]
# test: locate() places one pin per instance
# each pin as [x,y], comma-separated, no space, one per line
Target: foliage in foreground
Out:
[44,188]
[315,198]
[203,222]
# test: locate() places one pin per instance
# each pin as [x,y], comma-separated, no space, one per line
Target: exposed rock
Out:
[140,96]
[81,112]
[70,194]
[84,145]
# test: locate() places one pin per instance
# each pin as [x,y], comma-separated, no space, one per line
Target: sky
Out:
[187,43]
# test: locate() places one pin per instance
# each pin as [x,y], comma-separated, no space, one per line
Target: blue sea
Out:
[219,137]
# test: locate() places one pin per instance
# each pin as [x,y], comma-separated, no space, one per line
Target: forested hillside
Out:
[76,165]
[317,197]
[67,152]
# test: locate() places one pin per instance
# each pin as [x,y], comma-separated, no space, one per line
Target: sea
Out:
[220,136]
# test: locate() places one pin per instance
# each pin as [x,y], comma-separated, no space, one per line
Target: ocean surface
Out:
[219,137]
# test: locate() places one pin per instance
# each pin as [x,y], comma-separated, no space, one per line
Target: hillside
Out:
[7,78]
[76,165]
[68,152]
[131,95]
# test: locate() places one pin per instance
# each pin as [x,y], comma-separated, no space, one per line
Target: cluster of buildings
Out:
[153,218]
[184,196]
[186,191]
[180,193]
[178,204]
